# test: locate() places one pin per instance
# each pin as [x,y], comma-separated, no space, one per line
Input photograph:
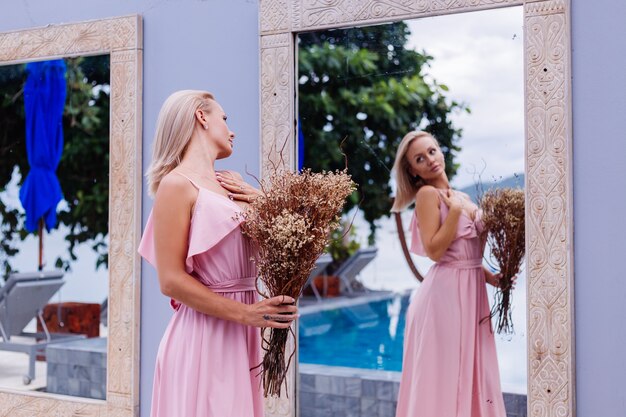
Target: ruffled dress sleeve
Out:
[209,226]
[417,247]
[207,229]
[146,246]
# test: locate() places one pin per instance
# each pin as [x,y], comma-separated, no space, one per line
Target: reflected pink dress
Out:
[203,363]
[450,367]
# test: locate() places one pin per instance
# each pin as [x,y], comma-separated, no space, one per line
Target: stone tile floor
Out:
[350,392]
[14,365]
[78,368]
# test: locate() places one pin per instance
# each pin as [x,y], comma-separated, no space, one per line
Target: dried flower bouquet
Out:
[290,224]
[504,225]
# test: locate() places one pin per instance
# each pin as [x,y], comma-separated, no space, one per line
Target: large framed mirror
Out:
[76,375]
[546,158]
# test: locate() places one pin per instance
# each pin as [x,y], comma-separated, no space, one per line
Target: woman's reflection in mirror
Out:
[449,367]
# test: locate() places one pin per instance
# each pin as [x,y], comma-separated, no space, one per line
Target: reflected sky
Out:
[479,56]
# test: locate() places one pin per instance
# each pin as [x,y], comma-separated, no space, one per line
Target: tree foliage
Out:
[364,88]
[84,167]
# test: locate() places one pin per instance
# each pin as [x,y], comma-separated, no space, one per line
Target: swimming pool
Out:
[368,335]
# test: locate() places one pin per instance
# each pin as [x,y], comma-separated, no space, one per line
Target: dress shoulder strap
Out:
[188,179]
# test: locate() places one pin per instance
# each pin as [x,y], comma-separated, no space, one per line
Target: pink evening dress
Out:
[203,366]
[449,366]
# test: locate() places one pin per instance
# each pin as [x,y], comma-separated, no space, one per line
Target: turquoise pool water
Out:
[366,336]
[371,336]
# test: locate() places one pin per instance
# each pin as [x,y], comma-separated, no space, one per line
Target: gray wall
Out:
[212,45]
[599,113]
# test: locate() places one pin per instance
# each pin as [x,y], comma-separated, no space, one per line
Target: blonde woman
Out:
[193,239]
[449,366]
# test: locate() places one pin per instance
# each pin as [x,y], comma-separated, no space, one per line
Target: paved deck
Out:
[309,304]
[14,365]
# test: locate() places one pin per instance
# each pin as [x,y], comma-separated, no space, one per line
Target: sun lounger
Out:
[361,315]
[349,270]
[104,312]
[320,265]
[314,324]
[22,299]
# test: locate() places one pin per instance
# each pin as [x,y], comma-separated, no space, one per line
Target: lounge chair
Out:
[320,265]
[349,270]
[361,315]
[22,298]
[104,312]
[314,324]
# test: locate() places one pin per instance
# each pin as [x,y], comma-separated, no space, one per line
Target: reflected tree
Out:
[365,88]
[84,167]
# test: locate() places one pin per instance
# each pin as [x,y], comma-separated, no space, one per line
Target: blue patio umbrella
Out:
[300,145]
[44,101]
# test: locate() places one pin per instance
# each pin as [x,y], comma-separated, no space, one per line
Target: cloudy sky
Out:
[480,57]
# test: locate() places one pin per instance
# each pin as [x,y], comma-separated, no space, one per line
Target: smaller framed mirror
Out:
[115,46]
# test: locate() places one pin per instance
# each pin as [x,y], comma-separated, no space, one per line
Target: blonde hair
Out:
[174,129]
[406,184]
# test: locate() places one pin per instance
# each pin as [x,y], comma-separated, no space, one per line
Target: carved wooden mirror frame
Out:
[548,136]
[121,39]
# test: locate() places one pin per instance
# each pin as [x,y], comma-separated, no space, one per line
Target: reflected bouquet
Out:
[290,225]
[504,226]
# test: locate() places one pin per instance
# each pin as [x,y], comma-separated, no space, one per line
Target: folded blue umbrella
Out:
[44,101]
[300,145]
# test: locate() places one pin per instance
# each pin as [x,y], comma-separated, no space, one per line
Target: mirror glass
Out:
[54,213]
[360,90]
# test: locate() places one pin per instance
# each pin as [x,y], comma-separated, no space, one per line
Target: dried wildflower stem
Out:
[290,225]
[504,220]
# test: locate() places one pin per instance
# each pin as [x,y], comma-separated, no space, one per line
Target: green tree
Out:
[84,167]
[364,86]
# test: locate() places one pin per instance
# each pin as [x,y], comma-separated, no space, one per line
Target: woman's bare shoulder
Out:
[427,198]
[427,192]
[427,204]
[176,186]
